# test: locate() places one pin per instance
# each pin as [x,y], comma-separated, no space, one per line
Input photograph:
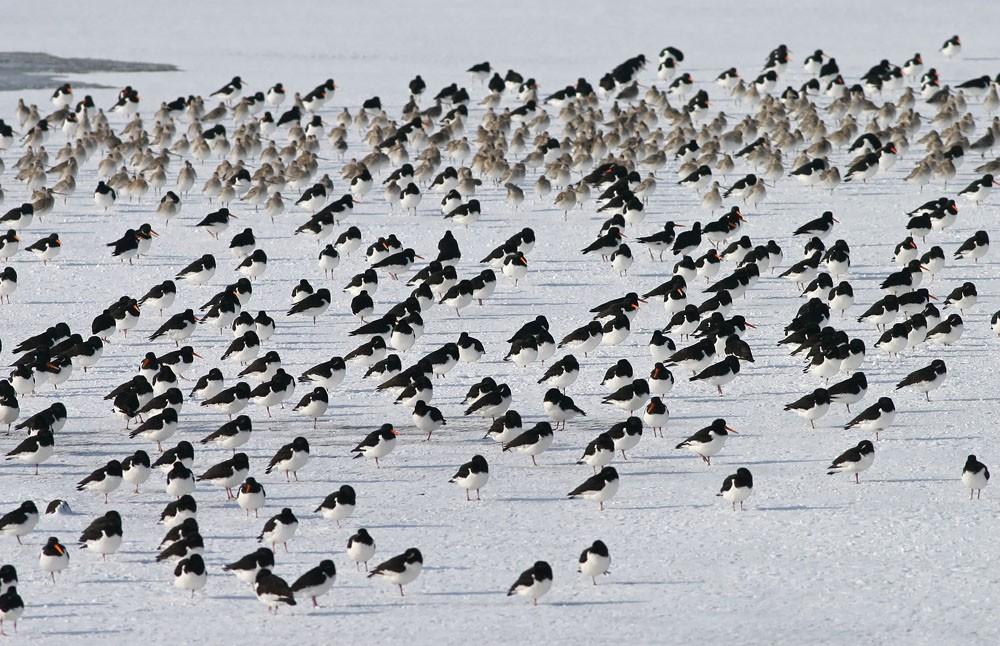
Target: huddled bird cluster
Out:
[279,159]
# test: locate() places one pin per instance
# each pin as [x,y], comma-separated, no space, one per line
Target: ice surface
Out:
[904,557]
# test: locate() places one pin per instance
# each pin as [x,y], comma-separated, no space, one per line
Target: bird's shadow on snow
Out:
[782,461]
[894,480]
[90,632]
[801,508]
[615,602]
[677,582]
[340,613]
[465,593]
[654,507]
[409,526]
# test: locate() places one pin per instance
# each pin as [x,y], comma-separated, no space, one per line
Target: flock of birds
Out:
[604,148]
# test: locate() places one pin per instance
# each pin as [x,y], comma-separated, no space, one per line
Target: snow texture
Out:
[902,557]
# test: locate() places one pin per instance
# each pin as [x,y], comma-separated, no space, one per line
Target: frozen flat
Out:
[904,556]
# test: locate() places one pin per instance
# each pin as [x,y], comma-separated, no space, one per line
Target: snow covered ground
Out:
[814,559]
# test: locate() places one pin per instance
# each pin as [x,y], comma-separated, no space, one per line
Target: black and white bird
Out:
[601,486]
[952,47]
[561,374]
[595,561]
[427,418]
[585,339]
[313,404]
[737,487]
[631,397]
[177,511]
[474,474]
[158,427]
[243,243]
[251,497]
[231,400]
[177,328]
[104,196]
[925,379]
[279,529]
[492,404]
[313,305]
[533,582]
[975,476]
[254,265]
[854,460]
[228,473]
[47,248]
[946,332]
[402,569]
[360,548]
[962,297]
[8,283]
[180,480]
[708,441]
[656,415]
[812,406]
[8,577]
[979,189]
[975,247]
[533,441]
[877,417]
[103,535]
[328,374]
[198,272]
[208,385]
[216,222]
[626,435]
[339,505]
[599,452]
[34,450]
[19,522]
[849,391]
[247,567]
[272,590]
[103,480]
[183,453]
[719,374]
[290,458]
[275,391]
[11,604]
[316,582]
[377,444]
[230,91]
[54,557]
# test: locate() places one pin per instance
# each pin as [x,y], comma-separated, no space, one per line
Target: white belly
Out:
[595,565]
[473,481]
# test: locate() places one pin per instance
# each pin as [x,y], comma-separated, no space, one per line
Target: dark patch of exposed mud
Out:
[38,70]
